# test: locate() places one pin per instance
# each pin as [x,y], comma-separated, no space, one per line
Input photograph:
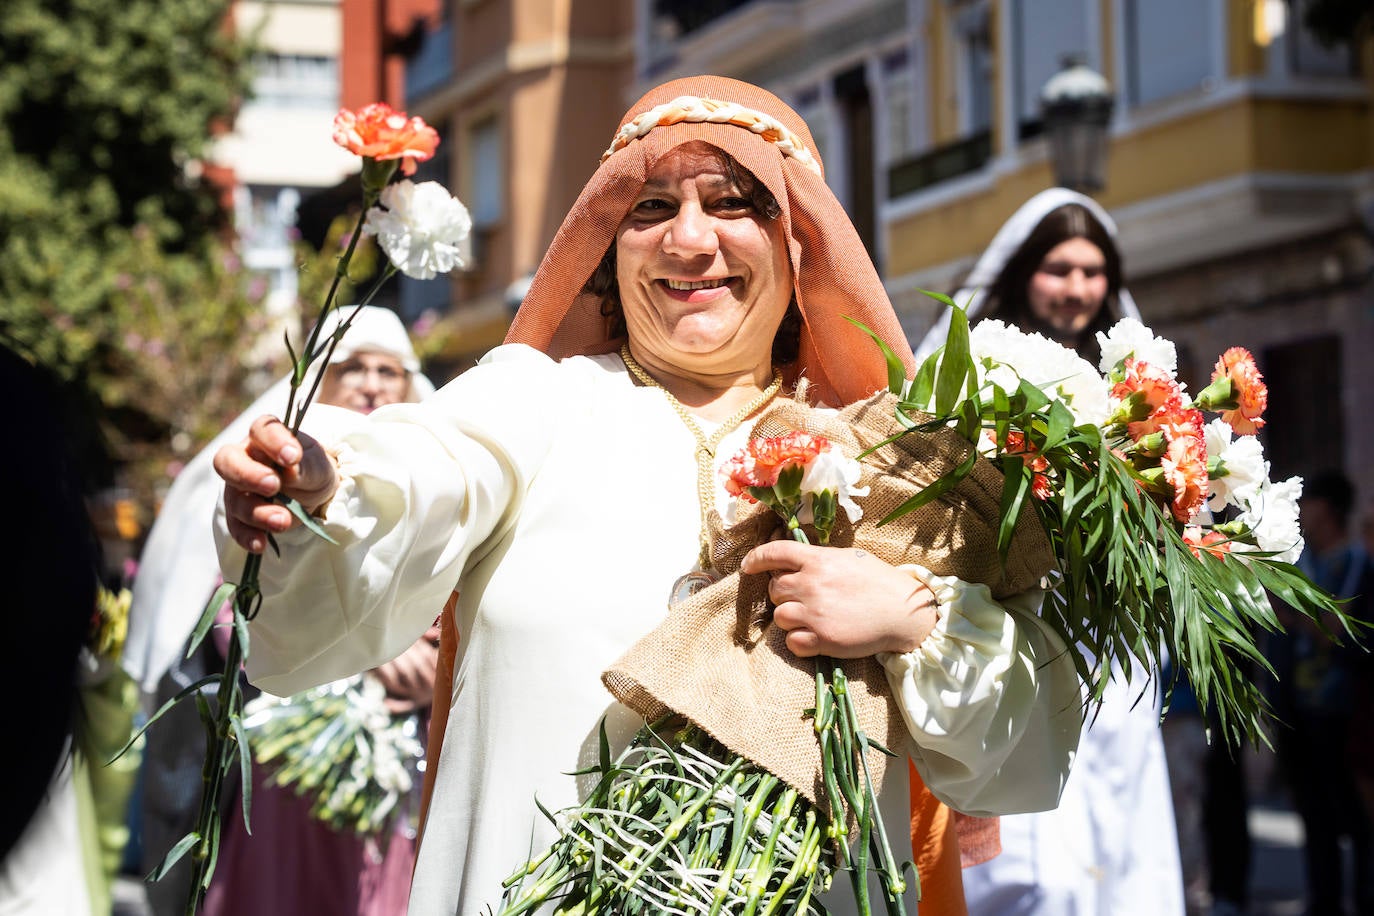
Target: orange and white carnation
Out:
[1185,469]
[377,131]
[826,474]
[1248,388]
[760,462]
[1147,385]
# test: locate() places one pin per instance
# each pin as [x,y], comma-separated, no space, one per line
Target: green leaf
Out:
[896,369]
[1032,399]
[956,365]
[207,616]
[604,745]
[245,769]
[181,695]
[923,385]
[941,298]
[174,855]
[308,520]
[938,488]
[241,630]
[1060,424]
[1016,484]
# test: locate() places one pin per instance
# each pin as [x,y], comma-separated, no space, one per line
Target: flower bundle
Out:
[339,745]
[109,622]
[421,228]
[679,823]
[1167,531]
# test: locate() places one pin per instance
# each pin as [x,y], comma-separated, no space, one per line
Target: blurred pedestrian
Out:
[1325,745]
[1110,848]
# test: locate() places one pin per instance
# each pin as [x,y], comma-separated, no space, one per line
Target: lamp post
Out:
[1076,104]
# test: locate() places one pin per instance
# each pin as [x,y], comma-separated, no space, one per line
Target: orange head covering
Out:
[832,273]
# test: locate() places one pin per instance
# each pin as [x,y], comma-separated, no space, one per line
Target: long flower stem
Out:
[223,723]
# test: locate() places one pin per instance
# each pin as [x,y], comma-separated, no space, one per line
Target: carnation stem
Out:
[222,722]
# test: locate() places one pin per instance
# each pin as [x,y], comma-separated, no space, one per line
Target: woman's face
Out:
[365,381]
[1068,288]
[704,278]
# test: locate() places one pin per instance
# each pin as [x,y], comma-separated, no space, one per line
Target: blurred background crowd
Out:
[171,205]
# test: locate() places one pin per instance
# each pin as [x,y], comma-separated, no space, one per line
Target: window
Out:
[296,81]
[810,106]
[1168,48]
[1043,33]
[486,190]
[1309,57]
[1302,377]
[975,68]
[899,105]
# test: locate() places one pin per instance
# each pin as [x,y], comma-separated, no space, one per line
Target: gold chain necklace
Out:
[706,445]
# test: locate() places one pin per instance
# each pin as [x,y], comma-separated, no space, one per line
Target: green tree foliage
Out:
[106,108]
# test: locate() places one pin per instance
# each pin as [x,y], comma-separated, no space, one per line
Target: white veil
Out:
[179,566]
[1012,235]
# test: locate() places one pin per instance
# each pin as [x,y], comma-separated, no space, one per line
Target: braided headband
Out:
[694,109]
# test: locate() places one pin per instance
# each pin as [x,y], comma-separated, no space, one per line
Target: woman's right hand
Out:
[268,462]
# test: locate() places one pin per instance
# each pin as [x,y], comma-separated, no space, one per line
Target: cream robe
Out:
[560,499]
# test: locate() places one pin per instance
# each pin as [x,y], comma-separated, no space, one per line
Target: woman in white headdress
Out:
[1111,846]
[374,364]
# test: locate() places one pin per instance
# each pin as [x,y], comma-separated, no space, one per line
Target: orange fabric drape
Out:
[935,850]
[443,698]
[980,838]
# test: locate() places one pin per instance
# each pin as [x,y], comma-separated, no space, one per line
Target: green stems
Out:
[850,793]
[680,827]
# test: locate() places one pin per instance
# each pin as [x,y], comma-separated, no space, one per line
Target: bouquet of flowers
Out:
[1167,531]
[341,746]
[109,623]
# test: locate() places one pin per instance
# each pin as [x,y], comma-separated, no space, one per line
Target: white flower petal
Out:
[1128,337]
[420,227]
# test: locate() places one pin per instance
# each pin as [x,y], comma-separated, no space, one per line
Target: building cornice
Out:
[516,59]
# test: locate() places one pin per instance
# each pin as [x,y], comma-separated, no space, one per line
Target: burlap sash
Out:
[717,659]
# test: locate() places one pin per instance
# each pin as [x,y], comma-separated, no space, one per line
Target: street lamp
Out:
[1076,105]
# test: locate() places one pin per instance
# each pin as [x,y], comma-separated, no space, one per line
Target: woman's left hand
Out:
[842,602]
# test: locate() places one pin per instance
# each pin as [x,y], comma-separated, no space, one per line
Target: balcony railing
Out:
[941,164]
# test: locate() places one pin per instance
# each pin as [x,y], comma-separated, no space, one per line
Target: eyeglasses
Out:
[354,374]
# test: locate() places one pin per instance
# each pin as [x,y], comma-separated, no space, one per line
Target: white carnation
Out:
[420,228]
[1243,460]
[832,470]
[1271,514]
[1050,366]
[1128,337]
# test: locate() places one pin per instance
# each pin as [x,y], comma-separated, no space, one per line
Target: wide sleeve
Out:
[423,489]
[992,700]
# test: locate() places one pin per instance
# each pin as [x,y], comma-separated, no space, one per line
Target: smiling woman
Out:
[704,271]
[704,280]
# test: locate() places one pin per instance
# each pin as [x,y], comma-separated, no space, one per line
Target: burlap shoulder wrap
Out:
[717,659]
